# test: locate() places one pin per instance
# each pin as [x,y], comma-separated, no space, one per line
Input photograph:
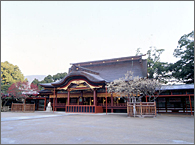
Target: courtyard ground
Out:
[67,128]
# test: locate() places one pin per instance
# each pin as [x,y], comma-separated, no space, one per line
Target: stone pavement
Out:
[74,128]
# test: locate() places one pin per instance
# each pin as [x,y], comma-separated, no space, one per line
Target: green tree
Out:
[10,73]
[36,82]
[49,79]
[183,69]
[156,69]
[4,88]
[59,76]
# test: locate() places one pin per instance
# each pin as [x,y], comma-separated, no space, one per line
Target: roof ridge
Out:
[88,70]
[79,68]
[110,60]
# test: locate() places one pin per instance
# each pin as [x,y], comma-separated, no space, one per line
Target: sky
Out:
[44,37]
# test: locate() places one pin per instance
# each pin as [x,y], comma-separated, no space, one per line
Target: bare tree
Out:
[135,86]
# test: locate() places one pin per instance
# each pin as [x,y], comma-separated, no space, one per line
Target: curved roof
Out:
[45,92]
[91,78]
[47,85]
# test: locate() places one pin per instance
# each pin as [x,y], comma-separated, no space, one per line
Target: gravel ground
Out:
[67,128]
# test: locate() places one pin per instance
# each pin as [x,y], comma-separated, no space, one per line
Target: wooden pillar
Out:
[141,108]
[44,104]
[186,105]
[111,103]
[37,105]
[106,101]
[190,104]
[68,103]
[166,104]
[94,97]
[183,103]
[146,99]
[82,98]
[155,107]
[54,100]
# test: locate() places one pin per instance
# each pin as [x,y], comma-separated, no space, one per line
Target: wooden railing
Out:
[84,109]
[114,104]
[63,104]
[29,107]
[141,109]
[21,107]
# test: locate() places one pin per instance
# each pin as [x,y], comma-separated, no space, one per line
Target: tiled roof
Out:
[108,60]
[91,77]
[178,87]
[45,92]
[47,85]
[116,70]
[104,70]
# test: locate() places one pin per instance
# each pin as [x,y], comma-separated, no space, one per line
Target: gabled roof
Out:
[99,72]
[116,70]
[112,69]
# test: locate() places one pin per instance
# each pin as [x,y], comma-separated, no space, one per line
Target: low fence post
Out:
[141,108]
[155,107]
[12,107]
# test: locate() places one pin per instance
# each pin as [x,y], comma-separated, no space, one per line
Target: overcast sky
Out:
[44,37]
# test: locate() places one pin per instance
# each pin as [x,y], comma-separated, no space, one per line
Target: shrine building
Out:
[83,89]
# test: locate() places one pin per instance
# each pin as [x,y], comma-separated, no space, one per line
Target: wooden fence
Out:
[18,107]
[84,109]
[141,109]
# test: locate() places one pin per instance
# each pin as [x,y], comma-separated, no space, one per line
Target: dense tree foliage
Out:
[49,79]
[16,90]
[4,88]
[21,90]
[183,69]
[10,73]
[155,68]
[59,76]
